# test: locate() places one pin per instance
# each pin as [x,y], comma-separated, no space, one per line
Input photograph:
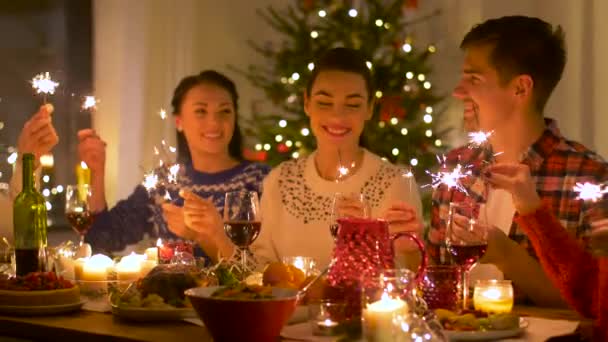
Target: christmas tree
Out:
[404,125]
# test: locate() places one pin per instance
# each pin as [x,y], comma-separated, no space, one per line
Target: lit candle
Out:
[129,267]
[326,327]
[305,264]
[165,251]
[96,268]
[493,296]
[152,254]
[378,317]
[78,267]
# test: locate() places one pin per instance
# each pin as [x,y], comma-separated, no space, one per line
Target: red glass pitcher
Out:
[364,248]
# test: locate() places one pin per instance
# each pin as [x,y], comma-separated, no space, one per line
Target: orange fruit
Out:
[275,273]
[297,276]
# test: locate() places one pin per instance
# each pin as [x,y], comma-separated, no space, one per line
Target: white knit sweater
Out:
[296,205]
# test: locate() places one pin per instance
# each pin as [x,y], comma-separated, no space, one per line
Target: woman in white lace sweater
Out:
[298,194]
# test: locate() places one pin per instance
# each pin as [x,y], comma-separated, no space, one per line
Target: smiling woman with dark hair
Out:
[298,194]
[209,146]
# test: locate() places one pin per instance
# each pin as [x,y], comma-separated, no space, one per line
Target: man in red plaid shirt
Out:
[511,66]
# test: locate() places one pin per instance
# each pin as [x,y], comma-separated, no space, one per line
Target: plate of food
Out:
[38,293]
[159,296]
[478,326]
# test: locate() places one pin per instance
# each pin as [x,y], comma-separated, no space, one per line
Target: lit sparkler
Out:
[479,138]
[89,103]
[590,191]
[43,84]
[173,171]
[163,113]
[150,181]
[451,179]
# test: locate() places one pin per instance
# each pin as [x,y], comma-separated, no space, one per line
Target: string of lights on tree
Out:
[404,128]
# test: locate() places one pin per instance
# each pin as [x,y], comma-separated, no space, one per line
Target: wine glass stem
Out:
[244,258]
[465,288]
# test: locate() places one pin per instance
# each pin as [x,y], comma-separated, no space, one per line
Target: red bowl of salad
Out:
[243,313]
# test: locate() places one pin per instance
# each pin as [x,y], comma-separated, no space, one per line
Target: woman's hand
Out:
[516,179]
[92,150]
[402,217]
[174,216]
[38,135]
[202,217]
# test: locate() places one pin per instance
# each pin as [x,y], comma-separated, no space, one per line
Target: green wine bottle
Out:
[29,224]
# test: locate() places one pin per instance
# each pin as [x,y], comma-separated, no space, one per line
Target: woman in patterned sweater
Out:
[209,150]
[297,201]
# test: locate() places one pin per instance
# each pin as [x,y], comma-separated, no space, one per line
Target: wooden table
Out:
[95,326]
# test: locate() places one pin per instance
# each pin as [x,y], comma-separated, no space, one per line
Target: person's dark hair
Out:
[217,79]
[343,59]
[347,60]
[523,45]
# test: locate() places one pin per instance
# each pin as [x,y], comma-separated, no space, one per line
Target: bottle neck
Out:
[28,171]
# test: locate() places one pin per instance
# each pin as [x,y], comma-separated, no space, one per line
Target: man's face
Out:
[488,105]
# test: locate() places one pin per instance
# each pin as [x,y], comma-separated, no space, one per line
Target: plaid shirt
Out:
[556,164]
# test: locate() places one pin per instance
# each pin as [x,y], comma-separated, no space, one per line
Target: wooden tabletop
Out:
[95,326]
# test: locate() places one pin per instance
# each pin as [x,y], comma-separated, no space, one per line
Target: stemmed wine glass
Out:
[77,211]
[466,238]
[347,205]
[242,220]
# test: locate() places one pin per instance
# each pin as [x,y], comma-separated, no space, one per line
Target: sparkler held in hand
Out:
[43,84]
[590,191]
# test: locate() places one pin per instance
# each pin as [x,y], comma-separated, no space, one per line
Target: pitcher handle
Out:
[421,249]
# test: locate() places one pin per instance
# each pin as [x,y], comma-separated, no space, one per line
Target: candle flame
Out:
[167,196]
[83,165]
[90,102]
[162,113]
[590,191]
[492,293]
[43,83]
[159,242]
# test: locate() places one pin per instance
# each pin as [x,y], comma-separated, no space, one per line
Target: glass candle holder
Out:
[305,264]
[326,318]
[493,296]
[385,298]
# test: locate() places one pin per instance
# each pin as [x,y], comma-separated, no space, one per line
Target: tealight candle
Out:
[378,317]
[493,296]
[305,264]
[152,254]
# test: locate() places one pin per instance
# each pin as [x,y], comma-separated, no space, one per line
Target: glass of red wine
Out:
[466,238]
[347,205]
[77,208]
[242,220]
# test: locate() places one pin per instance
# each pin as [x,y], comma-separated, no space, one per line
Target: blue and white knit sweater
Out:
[131,219]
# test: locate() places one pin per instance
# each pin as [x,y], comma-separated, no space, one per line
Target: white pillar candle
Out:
[378,317]
[96,268]
[147,266]
[78,267]
[129,267]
